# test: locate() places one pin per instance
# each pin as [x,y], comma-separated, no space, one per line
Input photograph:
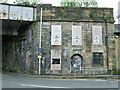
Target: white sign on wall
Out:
[76,35]
[56,35]
[97,35]
[56,60]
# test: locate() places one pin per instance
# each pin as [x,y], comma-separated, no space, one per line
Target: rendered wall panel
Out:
[4,11]
[76,35]
[97,35]
[15,13]
[56,35]
[27,13]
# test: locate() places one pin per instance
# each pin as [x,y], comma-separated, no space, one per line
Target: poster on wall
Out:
[76,35]
[56,35]
[97,35]
[56,60]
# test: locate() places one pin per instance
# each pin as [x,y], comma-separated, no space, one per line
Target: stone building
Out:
[119,12]
[73,40]
[117,43]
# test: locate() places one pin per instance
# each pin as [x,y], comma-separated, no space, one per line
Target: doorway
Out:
[76,63]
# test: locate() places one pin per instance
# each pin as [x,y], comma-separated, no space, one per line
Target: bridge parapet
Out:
[13,12]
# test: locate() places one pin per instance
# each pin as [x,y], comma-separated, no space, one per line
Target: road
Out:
[27,82]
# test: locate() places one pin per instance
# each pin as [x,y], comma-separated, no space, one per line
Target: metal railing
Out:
[93,71]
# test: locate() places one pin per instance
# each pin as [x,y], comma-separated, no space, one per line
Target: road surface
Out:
[27,82]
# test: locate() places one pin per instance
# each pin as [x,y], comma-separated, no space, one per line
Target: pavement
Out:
[62,76]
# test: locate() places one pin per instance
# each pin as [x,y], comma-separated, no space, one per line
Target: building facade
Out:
[74,40]
[117,43]
[119,12]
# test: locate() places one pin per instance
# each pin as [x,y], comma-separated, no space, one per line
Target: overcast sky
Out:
[101,3]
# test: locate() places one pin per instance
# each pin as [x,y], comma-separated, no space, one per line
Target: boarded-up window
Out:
[76,35]
[56,35]
[97,59]
[55,59]
[97,35]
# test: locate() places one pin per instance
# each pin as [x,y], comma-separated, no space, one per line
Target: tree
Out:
[79,3]
[27,2]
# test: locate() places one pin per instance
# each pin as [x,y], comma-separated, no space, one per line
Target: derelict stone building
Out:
[73,40]
[119,12]
[117,45]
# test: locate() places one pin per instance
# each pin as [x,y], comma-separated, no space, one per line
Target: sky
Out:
[101,3]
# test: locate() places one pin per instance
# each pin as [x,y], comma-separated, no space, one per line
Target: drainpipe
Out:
[40,55]
[107,43]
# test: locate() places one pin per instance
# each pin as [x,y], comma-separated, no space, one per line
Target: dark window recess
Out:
[55,61]
[97,59]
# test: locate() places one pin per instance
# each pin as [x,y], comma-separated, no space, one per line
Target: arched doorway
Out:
[76,63]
